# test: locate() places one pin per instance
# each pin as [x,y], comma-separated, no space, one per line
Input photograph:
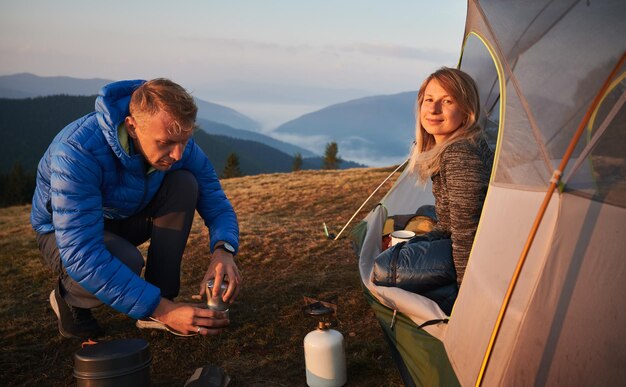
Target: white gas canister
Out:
[324,356]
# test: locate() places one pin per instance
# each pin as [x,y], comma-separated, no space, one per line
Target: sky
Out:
[272,60]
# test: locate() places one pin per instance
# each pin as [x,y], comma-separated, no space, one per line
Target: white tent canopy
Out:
[538,65]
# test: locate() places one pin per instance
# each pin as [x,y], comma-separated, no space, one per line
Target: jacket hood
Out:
[112,108]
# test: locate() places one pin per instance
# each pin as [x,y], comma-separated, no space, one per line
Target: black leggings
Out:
[166,222]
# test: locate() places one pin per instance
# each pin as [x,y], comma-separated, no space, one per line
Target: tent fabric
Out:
[538,65]
[603,172]
[492,263]
[422,358]
[543,99]
[573,330]
[550,75]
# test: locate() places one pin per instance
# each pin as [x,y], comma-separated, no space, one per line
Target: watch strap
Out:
[223,247]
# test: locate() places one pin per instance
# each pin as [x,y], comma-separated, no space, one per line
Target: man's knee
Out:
[181,187]
[182,179]
[124,251]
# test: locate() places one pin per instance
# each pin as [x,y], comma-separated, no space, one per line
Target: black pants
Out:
[166,222]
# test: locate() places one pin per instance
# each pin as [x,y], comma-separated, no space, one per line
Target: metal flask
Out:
[324,354]
[214,298]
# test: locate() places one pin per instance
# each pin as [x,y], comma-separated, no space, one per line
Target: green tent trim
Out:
[420,357]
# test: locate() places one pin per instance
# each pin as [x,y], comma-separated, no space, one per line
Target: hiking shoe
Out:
[74,322]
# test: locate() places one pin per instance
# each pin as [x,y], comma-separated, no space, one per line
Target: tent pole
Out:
[369,197]
[556,176]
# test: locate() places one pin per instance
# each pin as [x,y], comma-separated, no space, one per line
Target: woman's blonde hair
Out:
[426,156]
[164,95]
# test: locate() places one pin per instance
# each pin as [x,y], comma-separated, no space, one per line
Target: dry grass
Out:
[284,256]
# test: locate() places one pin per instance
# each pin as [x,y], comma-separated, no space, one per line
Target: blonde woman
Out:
[451,150]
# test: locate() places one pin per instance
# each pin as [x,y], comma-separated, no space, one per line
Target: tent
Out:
[540,302]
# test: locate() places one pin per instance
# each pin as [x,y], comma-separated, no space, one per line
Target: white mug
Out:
[401,236]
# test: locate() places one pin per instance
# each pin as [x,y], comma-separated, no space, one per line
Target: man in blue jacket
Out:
[127,173]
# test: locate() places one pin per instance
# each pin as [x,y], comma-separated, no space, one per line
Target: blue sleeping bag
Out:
[423,265]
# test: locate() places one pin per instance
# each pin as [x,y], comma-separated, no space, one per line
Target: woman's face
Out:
[440,114]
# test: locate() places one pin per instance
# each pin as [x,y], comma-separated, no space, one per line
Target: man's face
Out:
[153,139]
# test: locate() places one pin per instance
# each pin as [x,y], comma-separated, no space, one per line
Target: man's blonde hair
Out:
[164,95]
[426,156]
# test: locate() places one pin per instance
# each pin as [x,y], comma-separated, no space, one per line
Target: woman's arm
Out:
[465,181]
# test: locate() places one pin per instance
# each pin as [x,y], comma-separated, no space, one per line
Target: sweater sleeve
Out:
[463,175]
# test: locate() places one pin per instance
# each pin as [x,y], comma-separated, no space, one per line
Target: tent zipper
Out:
[393,319]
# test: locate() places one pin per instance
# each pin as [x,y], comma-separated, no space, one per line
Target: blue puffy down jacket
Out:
[86,176]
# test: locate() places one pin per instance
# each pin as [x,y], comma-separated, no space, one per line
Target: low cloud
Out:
[370,49]
[397,51]
[357,149]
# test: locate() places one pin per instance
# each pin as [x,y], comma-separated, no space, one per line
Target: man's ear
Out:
[130,126]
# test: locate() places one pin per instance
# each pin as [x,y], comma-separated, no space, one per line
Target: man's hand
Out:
[223,265]
[187,319]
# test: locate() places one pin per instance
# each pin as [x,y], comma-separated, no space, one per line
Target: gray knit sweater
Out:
[459,189]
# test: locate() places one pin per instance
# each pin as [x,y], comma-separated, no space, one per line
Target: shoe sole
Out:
[55,308]
[150,324]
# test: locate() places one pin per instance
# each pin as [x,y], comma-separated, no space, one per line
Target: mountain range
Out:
[375,131]
[26,85]
[28,126]
[217,128]
[379,129]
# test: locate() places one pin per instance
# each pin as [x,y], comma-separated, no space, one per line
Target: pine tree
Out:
[297,162]
[331,159]
[16,186]
[231,169]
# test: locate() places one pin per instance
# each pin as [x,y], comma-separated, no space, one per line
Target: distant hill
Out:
[27,85]
[27,127]
[225,130]
[254,157]
[225,115]
[379,127]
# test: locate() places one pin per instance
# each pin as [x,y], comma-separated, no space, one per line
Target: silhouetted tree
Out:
[16,186]
[331,159]
[231,169]
[297,162]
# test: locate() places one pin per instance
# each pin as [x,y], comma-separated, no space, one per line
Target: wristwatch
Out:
[226,247]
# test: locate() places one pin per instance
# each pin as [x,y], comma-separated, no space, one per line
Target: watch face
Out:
[228,247]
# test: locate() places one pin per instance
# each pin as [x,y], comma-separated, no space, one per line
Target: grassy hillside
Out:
[284,257]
